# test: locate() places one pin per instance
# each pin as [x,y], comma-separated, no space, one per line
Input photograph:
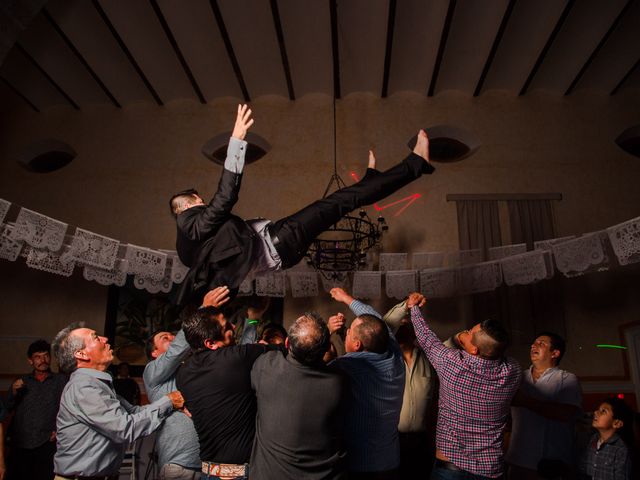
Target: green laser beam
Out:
[604,345]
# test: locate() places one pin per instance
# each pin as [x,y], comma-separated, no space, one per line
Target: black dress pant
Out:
[296,232]
[31,463]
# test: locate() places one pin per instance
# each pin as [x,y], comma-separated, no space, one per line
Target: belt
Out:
[447,465]
[225,470]
[274,238]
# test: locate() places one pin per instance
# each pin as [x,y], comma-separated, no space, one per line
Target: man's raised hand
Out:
[340,295]
[335,323]
[416,298]
[216,297]
[176,399]
[243,122]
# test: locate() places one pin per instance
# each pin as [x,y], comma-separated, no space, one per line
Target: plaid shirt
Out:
[609,462]
[475,395]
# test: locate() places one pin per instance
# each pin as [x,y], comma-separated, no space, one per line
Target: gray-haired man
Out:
[94,425]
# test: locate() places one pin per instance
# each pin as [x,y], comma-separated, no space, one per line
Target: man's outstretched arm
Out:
[428,341]
[360,308]
[356,306]
[237,146]
[201,223]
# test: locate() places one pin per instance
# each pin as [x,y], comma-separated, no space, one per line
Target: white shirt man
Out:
[544,412]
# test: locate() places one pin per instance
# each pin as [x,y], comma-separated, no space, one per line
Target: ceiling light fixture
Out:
[343,247]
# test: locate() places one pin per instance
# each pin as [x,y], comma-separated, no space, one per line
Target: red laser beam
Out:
[409,200]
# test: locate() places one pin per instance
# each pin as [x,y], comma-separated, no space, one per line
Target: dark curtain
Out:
[478,224]
[541,305]
[479,227]
[525,309]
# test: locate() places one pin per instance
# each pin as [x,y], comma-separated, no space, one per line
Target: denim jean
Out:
[439,473]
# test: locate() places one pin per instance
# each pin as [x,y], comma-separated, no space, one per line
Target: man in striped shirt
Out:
[477,384]
[374,364]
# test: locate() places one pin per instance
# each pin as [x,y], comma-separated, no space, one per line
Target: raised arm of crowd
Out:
[350,398]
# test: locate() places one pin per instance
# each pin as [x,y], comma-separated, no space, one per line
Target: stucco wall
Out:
[130,160]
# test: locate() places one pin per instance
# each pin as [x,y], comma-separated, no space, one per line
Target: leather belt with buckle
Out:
[80,477]
[225,470]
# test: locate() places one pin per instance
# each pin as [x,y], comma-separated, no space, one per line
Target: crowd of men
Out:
[330,402]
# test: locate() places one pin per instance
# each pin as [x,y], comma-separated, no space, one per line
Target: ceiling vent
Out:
[629,141]
[46,156]
[448,143]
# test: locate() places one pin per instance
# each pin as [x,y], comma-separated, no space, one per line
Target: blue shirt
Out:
[95,426]
[373,410]
[176,440]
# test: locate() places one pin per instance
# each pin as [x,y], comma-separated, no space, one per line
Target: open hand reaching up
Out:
[243,122]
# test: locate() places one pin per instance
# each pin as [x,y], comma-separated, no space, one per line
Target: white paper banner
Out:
[336,280]
[496,253]
[39,231]
[482,277]
[526,268]
[43,259]
[303,284]
[146,263]
[575,257]
[271,285]
[152,285]
[246,288]
[115,276]
[4,208]
[424,260]
[399,284]
[548,244]
[393,261]
[9,247]
[464,257]
[438,282]
[625,240]
[93,249]
[367,285]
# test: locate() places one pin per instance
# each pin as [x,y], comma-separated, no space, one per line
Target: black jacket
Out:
[217,246]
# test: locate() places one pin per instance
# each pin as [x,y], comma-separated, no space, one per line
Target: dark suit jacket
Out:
[300,422]
[217,246]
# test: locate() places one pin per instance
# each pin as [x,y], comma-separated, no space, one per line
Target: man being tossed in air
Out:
[222,249]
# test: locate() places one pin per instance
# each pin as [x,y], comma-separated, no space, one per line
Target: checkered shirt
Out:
[612,461]
[475,395]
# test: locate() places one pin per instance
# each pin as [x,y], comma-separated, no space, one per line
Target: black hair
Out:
[272,331]
[492,340]
[621,411]
[150,344]
[203,325]
[38,346]
[557,343]
[177,199]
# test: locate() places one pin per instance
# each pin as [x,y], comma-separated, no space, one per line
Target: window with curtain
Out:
[526,309]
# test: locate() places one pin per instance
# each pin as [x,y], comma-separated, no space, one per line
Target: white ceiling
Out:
[121,52]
